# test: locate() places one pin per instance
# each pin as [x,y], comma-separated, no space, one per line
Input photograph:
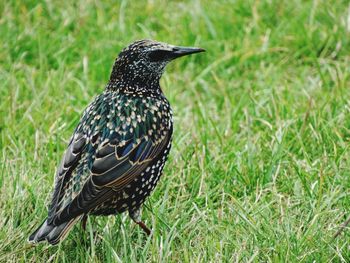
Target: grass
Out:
[260,167]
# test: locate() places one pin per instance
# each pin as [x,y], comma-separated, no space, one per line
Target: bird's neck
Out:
[135,85]
[132,81]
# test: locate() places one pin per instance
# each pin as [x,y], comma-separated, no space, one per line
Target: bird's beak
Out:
[178,51]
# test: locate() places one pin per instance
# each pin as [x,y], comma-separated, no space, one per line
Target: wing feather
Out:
[110,173]
[69,161]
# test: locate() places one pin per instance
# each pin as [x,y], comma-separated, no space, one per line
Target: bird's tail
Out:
[51,233]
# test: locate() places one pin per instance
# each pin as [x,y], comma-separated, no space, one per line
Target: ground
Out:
[260,166]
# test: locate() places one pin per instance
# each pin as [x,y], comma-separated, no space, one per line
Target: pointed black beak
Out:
[184,51]
[172,52]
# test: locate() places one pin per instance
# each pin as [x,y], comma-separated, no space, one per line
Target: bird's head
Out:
[143,62]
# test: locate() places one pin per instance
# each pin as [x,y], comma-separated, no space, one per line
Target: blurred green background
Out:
[259,170]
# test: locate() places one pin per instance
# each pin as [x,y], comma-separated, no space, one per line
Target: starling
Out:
[118,150]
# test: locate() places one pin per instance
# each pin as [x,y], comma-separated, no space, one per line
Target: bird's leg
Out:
[135,215]
[342,227]
[144,227]
[83,222]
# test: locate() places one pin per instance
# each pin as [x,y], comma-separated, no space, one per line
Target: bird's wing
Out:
[69,161]
[115,166]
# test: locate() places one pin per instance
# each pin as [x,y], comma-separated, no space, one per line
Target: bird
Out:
[117,152]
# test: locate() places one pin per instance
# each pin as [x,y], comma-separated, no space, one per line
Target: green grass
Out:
[260,166]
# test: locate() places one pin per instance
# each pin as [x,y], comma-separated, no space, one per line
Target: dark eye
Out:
[159,55]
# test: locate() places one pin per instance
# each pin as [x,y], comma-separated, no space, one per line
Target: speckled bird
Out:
[117,152]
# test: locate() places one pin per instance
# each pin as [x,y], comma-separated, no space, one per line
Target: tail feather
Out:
[51,233]
[41,232]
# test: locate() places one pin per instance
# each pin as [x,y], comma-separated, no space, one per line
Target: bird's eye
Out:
[158,55]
